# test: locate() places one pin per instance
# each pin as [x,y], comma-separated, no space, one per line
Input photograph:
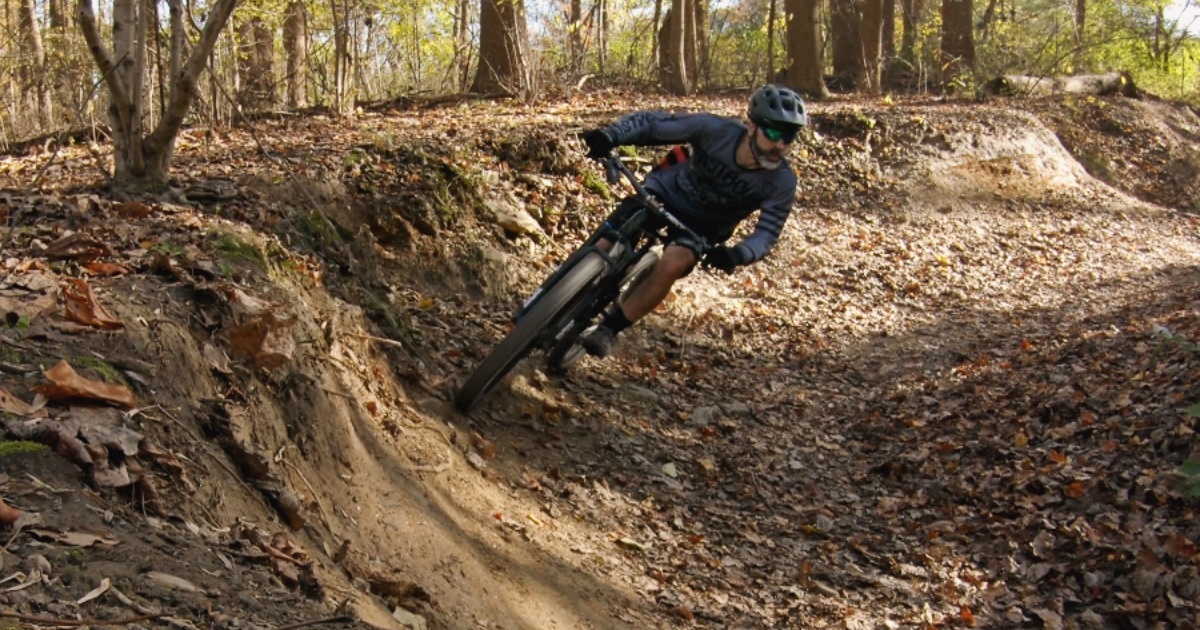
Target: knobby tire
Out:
[567,351]
[520,340]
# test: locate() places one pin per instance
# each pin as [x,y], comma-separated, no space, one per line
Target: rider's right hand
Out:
[599,144]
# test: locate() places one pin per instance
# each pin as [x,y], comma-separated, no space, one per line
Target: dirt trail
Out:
[842,435]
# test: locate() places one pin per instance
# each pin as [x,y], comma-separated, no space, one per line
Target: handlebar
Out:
[614,168]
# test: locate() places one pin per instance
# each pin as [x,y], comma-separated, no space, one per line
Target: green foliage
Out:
[1191,478]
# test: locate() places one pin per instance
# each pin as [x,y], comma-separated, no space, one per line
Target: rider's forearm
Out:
[653,128]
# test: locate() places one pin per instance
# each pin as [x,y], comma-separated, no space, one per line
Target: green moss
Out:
[233,247]
[103,370]
[12,447]
[593,182]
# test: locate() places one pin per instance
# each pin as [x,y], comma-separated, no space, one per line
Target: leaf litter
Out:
[957,395]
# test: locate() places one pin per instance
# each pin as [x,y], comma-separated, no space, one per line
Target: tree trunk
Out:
[462,43]
[1112,83]
[295,45]
[502,49]
[256,60]
[803,67]
[703,61]
[910,19]
[958,41]
[690,57]
[60,16]
[341,57]
[771,41]
[889,32]
[602,24]
[575,37]
[673,67]
[655,48]
[36,68]
[871,33]
[847,44]
[138,160]
[1080,44]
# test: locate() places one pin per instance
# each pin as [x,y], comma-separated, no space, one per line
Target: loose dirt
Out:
[957,394]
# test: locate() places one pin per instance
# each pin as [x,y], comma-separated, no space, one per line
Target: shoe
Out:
[599,342]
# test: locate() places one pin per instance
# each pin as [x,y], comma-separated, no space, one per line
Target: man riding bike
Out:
[733,170]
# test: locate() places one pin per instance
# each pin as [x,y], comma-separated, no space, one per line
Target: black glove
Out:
[599,143]
[724,258]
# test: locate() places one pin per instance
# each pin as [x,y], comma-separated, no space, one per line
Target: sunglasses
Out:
[773,134]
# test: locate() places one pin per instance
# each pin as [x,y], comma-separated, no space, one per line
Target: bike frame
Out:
[630,241]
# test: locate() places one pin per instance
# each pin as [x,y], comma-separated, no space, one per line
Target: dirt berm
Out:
[957,394]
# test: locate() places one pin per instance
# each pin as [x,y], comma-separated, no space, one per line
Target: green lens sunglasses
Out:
[775,135]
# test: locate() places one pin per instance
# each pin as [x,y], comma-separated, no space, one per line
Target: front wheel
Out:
[567,352]
[541,315]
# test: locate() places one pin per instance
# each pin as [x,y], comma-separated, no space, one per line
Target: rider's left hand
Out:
[724,258]
[599,143]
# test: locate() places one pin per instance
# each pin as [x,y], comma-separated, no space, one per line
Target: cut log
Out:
[1108,84]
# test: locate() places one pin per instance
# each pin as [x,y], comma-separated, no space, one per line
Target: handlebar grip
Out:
[611,174]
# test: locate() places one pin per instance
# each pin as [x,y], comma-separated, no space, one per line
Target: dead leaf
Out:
[74,539]
[82,307]
[106,269]
[486,448]
[9,403]
[263,340]
[96,592]
[133,209]
[8,513]
[78,246]
[216,359]
[66,384]
[173,582]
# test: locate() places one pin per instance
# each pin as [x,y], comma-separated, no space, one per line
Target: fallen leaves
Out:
[8,513]
[66,384]
[82,306]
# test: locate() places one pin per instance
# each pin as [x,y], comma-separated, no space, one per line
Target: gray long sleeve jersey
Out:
[709,191]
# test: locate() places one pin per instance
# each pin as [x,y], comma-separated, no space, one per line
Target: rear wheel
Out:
[521,339]
[567,352]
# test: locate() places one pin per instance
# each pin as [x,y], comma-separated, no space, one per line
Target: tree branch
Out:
[183,86]
[86,17]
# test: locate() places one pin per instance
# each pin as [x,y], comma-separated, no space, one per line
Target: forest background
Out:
[167,63]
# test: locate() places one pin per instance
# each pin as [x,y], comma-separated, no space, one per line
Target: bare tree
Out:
[803,69]
[502,49]
[139,159]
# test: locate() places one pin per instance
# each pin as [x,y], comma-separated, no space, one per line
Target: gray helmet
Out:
[775,104]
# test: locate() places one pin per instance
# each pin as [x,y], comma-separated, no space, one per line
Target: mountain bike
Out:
[593,279]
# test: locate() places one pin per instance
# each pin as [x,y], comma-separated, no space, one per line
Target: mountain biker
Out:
[733,170]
